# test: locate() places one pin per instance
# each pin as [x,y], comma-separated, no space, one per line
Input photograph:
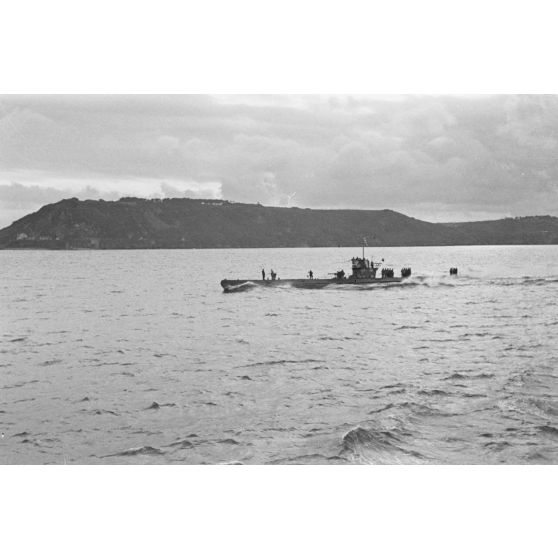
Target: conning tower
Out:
[363,268]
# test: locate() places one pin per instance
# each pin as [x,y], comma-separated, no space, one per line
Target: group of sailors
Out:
[405,272]
[453,270]
[272,274]
[387,272]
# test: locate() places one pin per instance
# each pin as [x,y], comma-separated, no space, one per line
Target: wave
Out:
[380,447]
[393,386]
[181,444]
[229,441]
[156,406]
[460,376]
[433,392]
[382,409]
[418,409]
[51,362]
[433,282]
[429,282]
[29,441]
[19,384]
[242,287]
[547,407]
[474,334]
[104,412]
[547,429]
[307,459]
[497,446]
[539,280]
[279,362]
[537,457]
[525,280]
[142,450]
[363,286]
[423,410]
[455,376]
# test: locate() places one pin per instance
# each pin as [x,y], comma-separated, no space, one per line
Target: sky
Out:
[433,157]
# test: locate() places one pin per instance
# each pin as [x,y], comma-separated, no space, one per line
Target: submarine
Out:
[364,272]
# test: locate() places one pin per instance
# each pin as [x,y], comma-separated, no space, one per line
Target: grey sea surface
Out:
[139,357]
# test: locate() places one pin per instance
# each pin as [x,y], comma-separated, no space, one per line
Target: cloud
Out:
[430,156]
[210,191]
[18,196]
[17,200]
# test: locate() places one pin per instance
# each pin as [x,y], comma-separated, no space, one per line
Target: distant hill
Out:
[518,230]
[188,223]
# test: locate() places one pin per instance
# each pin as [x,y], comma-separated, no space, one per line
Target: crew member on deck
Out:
[310,274]
[273,275]
[263,274]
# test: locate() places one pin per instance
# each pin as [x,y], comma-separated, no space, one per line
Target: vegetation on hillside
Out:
[188,223]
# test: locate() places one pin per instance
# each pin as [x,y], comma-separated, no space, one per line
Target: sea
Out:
[139,357]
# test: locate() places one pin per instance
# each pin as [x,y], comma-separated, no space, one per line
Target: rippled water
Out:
[139,357]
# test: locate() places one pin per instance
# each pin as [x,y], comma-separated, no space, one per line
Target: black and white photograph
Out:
[280,279]
[348,288]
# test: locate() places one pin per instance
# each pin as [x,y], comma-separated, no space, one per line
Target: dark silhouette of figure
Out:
[263,274]
[310,274]
[273,275]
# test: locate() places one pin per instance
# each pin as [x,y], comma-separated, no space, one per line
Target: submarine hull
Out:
[234,284]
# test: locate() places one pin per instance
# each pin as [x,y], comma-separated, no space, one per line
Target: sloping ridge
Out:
[187,223]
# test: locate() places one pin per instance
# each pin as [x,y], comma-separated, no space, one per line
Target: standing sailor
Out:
[263,274]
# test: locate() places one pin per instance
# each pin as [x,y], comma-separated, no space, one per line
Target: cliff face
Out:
[186,223]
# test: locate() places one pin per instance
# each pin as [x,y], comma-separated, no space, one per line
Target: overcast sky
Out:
[438,158]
